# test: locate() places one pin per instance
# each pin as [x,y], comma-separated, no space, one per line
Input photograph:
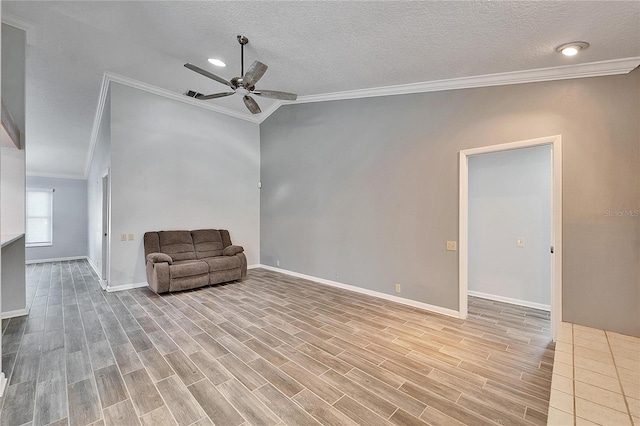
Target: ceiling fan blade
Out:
[251,104]
[214,96]
[208,74]
[274,94]
[255,73]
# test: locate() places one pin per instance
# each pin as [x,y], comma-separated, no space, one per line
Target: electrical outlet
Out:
[397,288]
[452,246]
[123,237]
[130,237]
[277,263]
[520,242]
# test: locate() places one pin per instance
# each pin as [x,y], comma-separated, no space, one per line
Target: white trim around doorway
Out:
[556,221]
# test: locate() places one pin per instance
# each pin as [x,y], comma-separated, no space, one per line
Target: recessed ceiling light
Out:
[217,62]
[572,49]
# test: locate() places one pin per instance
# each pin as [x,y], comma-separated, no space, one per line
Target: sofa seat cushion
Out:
[177,244]
[223,263]
[188,268]
[218,277]
[187,283]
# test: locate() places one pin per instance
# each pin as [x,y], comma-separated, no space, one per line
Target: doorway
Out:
[555,249]
[106,197]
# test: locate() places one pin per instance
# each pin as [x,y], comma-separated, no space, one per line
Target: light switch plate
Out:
[452,245]
[130,237]
[123,237]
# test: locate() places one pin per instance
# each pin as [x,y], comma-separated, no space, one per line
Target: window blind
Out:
[39,217]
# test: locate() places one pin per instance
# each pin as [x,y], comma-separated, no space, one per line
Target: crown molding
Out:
[27,27]
[109,78]
[115,78]
[56,176]
[97,120]
[591,69]
[269,110]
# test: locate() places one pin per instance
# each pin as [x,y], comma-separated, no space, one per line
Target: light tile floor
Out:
[596,378]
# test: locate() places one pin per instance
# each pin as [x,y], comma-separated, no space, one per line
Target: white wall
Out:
[100,163]
[12,216]
[13,70]
[13,190]
[12,173]
[176,166]
[69,218]
[13,160]
[3,380]
[510,198]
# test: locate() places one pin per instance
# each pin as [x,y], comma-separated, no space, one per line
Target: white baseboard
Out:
[94,267]
[55,259]
[519,302]
[257,265]
[3,384]
[112,288]
[16,313]
[103,284]
[402,300]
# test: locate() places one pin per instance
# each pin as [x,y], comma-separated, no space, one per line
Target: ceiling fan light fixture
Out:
[243,85]
[217,62]
[573,48]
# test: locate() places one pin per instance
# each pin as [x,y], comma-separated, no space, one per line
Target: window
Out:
[39,217]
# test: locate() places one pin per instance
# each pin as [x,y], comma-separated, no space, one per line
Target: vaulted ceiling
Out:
[311,48]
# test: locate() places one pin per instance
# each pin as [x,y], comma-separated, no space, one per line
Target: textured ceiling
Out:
[310,47]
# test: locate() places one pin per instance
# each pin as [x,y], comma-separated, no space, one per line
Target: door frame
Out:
[105,230]
[556,221]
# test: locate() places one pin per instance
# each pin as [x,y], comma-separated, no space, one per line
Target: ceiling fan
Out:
[244,85]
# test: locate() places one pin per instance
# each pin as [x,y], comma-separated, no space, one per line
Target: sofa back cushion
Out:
[208,243]
[226,238]
[151,243]
[177,244]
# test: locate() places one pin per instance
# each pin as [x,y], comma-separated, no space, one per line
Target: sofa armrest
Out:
[159,258]
[232,250]
[158,276]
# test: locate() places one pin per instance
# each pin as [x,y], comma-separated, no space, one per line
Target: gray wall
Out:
[69,218]
[100,163]
[365,191]
[177,166]
[510,198]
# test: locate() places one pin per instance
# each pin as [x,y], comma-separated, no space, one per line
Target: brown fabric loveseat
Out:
[181,260]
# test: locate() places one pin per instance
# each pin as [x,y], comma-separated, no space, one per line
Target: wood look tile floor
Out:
[268,350]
